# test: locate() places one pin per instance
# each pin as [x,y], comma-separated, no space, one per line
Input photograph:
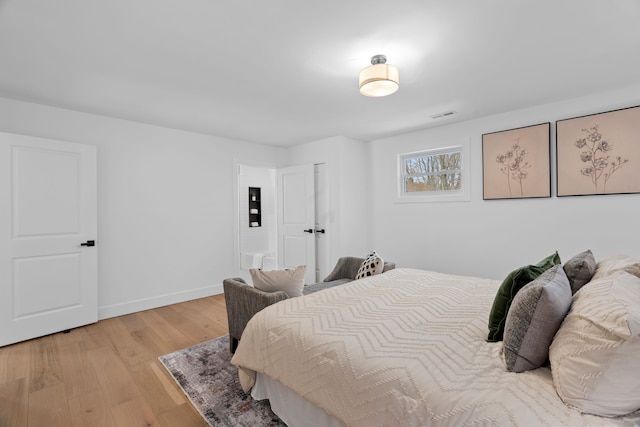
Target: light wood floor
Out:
[108,373]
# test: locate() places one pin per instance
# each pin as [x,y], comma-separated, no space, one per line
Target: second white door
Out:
[296,219]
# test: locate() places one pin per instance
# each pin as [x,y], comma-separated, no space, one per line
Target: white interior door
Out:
[296,219]
[323,231]
[48,274]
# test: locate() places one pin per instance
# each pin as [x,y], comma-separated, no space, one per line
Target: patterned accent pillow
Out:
[371,265]
[289,281]
[508,290]
[580,270]
[594,355]
[534,318]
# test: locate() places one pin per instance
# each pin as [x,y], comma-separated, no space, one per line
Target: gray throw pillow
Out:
[509,288]
[580,270]
[534,318]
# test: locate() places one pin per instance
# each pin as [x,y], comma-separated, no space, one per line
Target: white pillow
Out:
[613,263]
[289,281]
[371,266]
[595,354]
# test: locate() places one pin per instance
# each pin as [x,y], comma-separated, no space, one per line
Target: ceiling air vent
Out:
[441,115]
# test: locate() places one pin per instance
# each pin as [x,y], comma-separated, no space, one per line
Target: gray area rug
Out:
[206,376]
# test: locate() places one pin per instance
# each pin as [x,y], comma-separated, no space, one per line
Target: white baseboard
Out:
[159,301]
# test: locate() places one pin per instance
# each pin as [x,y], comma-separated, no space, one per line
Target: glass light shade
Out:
[379,80]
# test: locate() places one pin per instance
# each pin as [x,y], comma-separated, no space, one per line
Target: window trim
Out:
[461,195]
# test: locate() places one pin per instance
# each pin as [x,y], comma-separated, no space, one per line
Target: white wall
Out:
[165,203]
[347,163]
[491,238]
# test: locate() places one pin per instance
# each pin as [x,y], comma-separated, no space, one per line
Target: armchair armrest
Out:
[347,268]
[243,301]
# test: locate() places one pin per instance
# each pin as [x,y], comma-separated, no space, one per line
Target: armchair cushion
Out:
[309,289]
[290,281]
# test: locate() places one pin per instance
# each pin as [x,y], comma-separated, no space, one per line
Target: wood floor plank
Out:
[211,308]
[77,370]
[14,401]
[153,342]
[168,384]
[113,375]
[194,332]
[184,416]
[107,374]
[45,368]
[15,361]
[211,328]
[96,337]
[134,413]
[129,350]
[165,330]
[152,388]
[49,407]
[91,410]
[74,336]
[133,322]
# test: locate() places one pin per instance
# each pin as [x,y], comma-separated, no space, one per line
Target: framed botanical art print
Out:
[516,163]
[599,153]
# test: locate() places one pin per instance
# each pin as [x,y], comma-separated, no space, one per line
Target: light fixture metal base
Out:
[378,59]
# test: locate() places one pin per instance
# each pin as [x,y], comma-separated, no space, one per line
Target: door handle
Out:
[88,243]
[310,230]
[320,231]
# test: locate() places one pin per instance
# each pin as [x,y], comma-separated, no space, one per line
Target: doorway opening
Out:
[260,242]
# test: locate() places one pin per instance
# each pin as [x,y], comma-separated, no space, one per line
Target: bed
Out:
[403,348]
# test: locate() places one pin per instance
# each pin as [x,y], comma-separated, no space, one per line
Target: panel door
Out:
[323,233]
[48,278]
[296,219]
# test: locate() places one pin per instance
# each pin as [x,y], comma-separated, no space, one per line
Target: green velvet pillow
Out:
[514,281]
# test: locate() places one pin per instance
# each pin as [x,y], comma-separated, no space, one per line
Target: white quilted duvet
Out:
[404,348]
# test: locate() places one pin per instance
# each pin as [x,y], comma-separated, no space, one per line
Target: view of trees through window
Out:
[433,172]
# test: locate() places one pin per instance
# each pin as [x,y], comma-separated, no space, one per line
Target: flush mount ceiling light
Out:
[380,78]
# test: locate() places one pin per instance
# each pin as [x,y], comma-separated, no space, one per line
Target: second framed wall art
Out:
[599,153]
[516,163]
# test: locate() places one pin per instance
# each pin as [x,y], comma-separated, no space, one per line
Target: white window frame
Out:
[462,195]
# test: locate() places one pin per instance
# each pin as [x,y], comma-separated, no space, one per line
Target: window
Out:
[439,174]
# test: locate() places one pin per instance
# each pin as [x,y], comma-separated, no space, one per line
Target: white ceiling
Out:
[284,72]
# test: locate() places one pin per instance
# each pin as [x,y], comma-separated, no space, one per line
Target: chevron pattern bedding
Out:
[404,348]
